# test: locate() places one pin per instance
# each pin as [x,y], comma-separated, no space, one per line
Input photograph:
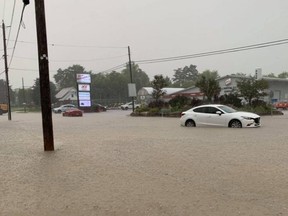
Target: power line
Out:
[12,18]
[216,52]
[104,71]
[87,46]
[83,60]
[114,68]
[76,46]
[24,5]
[197,55]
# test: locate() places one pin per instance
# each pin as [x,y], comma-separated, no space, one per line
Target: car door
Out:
[215,117]
[200,116]
[208,116]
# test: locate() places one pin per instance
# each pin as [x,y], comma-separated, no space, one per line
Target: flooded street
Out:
[112,164]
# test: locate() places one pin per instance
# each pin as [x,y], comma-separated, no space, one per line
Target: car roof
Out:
[206,105]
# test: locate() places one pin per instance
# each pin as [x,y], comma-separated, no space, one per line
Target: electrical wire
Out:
[82,60]
[76,46]
[21,18]
[217,52]
[89,60]
[105,71]
[114,68]
[11,22]
[87,46]
[197,55]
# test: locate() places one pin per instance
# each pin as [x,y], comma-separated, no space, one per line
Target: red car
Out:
[281,105]
[73,112]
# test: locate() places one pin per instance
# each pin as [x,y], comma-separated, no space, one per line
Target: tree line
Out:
[112,87]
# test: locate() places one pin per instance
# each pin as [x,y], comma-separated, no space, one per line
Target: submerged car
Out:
[73,112]
[218,115]
[63,108]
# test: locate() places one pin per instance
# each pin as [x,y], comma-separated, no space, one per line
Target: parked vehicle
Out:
[218,115]
[281,105]
[3,108]
[63,108]
[130,106]
[99,108]
[73,112]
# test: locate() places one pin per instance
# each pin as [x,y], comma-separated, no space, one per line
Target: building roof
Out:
[149,90]
[263,77]
[64,92]
[275,79]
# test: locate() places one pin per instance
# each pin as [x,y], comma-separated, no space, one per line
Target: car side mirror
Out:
[219,113]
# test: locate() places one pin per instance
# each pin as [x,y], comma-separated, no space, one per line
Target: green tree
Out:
[185,77]
[168,81]
[208,84]
[25,96]
[67,77]
[36,92]
[179,101]
[3,93]
[139,77]
[250,88]
[283,75]
[113,86]
[158,84]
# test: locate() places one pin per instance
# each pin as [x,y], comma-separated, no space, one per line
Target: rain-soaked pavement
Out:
[112,164]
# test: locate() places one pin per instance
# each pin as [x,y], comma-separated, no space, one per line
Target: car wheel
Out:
[126,108]
[1,112]
[190,123]
[235,124]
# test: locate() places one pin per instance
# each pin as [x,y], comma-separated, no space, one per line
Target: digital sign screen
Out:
[84,96]
[83,78]
[85,103]
[83,87]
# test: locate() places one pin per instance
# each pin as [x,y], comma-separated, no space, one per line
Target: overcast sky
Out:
[96,34]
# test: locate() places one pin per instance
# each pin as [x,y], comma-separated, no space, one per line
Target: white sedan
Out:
[218,115]
[63,108]
[129,106]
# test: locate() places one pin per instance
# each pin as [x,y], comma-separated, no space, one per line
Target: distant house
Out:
[145,93]
[67,95]
[191,92]
[277,91]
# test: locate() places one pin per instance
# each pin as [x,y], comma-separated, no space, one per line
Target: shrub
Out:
[257,103]
[196,102]
[179,101]
[158,104]
[231,99]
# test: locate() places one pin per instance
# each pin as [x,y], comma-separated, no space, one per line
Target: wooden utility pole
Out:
[6,71]
[24,95]
[44,76]
[131,79]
